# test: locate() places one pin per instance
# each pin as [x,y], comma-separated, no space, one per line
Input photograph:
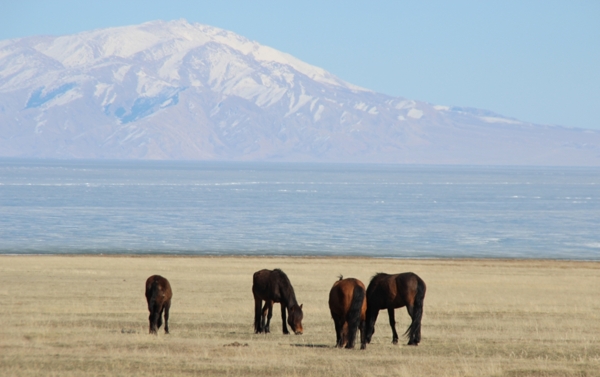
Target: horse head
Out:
[370,330]
[295,319]
[369,326]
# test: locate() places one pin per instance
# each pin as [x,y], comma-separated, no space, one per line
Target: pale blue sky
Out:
[537,61]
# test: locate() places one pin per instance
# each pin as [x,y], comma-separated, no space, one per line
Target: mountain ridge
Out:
[180,91]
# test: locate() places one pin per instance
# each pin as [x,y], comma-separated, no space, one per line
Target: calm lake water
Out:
[299,209]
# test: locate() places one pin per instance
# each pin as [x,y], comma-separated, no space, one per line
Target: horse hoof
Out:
[395,341]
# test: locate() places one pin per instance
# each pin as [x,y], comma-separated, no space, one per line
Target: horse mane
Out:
[379,275]
[286,287]
[154,288]
[374,281]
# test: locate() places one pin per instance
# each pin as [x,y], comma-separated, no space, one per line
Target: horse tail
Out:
[353,316]
[414,330]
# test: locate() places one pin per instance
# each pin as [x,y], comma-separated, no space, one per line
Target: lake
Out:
[68,207]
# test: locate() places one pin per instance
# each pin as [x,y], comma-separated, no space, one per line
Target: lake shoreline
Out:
[346,257]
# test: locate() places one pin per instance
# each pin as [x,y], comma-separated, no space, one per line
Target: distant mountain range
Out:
[180,91]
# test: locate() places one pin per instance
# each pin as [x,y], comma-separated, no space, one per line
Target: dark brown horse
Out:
[395,291]
[158,295]
[348,306]
[270,287]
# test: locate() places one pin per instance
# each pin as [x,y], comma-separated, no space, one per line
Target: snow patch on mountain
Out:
[500,120]
[175,90]
[415,113]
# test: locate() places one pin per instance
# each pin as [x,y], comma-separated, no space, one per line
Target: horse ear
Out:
[301,306]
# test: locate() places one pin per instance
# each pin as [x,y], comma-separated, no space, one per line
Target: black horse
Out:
[158,295]
[348,306]
[395,291]
[274,286]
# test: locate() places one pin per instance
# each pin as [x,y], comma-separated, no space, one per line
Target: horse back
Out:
[393,291]
[272,285]
[343,294]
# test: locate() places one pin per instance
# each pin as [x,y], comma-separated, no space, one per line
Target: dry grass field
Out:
[86,315]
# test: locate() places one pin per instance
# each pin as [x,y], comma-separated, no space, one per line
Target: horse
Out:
[348,306]
[274,286]
[395,291]
[158,295]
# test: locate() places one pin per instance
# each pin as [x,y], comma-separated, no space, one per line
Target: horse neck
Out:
[289,298]
[292,302]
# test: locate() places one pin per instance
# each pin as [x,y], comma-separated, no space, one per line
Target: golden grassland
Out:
[87,315]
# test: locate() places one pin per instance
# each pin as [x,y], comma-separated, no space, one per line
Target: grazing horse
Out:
[348,306]
[274,286]
[395,291]
[158,295]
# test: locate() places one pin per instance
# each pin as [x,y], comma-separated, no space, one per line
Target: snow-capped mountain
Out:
[174,90]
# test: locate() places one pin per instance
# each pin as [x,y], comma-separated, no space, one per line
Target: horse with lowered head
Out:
[158,295]
[348,306]
[395,291]
[270,287]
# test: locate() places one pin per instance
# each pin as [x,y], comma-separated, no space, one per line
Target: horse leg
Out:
[283,309]
[167,307]
[268,313]
[393,325]
[338,333]
[263,317]
[258,322]
[152,321]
